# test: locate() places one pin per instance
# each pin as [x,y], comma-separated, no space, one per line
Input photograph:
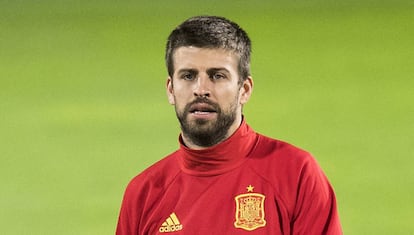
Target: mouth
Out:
[202,109]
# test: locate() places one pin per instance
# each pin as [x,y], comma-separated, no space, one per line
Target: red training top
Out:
[248,184]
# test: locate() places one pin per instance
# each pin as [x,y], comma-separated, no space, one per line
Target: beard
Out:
[206,133]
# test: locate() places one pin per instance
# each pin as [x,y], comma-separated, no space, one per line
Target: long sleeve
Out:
[130,211]
[315,210]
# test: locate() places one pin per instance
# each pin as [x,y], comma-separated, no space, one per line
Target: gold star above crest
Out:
[250,188]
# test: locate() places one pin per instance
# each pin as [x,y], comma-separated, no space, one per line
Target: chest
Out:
[233,203]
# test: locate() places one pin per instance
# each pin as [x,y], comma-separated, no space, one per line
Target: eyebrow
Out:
[187,70]
[210,70]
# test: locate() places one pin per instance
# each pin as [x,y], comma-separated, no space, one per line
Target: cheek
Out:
[178,99]
[175,93]
[231,98]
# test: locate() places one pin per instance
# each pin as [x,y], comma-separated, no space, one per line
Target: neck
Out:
[233,128]
[221,157]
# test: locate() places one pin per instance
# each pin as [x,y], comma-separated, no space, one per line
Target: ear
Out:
[246,90]
[170,91]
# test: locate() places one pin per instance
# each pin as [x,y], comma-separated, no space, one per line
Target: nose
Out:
[202,87]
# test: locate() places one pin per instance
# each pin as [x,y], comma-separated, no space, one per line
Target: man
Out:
[225,178]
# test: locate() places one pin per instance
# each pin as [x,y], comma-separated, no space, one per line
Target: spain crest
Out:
[250,213]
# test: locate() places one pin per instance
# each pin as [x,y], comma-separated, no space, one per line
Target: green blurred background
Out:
[83,106]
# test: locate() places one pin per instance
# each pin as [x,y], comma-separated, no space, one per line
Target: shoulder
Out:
[281,159]
[280,163]
[299,184]
[280,152]
[289,169]
[154,178]
[144,191]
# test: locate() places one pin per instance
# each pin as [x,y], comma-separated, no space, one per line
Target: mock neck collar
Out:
[219,158]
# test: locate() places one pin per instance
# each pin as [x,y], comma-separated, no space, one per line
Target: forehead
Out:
[204,58]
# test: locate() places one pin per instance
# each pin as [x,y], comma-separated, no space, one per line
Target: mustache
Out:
[202,100]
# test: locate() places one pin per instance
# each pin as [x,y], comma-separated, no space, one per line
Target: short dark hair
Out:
[210,32]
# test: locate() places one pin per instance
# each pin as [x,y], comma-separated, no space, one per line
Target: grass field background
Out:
[83,106]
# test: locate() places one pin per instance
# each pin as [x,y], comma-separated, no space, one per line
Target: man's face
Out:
[207,95]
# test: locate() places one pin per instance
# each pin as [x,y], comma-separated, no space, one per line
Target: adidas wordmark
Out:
[171,224]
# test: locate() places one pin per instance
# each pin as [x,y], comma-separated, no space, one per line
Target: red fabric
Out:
[201,186]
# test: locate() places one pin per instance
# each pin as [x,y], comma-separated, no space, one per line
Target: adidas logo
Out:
[171,224]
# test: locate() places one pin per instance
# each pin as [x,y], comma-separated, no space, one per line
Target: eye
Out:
[188,76]
[217,76]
